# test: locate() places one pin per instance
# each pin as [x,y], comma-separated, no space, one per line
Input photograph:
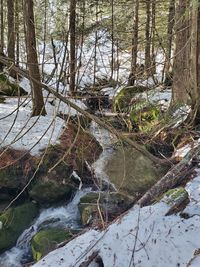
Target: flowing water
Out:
[64,216]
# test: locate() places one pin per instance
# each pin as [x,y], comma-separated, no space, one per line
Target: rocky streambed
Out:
[90,193]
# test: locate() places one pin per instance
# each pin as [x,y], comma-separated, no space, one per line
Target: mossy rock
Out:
[14,222]
[48,192]
[123,98]
[46,240]
[16,167]
[131,172]
[112,204]
[10,89]
[172,196]
[146,118]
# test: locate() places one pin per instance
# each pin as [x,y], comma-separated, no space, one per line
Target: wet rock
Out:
[10,89]
[131,172]
[47,240]
[14,221]
[16,167]
[111,205]
[50,191]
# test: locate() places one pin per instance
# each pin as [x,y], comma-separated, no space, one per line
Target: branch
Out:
[7,62]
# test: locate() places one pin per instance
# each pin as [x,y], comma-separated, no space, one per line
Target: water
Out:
[64,216]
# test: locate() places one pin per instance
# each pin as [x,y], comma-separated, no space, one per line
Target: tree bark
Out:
[182,54]
[32,60]
[11,32]
[170,27]
[72,30]
[148,39]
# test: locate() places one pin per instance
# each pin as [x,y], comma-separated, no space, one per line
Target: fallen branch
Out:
[7,62]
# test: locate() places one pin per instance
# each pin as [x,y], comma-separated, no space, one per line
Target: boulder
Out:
[14,221]
[10,89]
[110,204]
[50,191]
[131,172]
[123,98]
[16,167]
[47,240]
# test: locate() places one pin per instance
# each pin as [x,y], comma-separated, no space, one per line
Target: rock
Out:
[177,199]
[47,240]
[123,98]
[50,191]
[16,167]
[14,221]
[131,172]
[10,89]
[110,204]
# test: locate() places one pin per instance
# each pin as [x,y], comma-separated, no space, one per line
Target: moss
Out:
[15,221]
[46,192]
[46,240]
[10,89]
[172,195]
[10,177]
[123,98]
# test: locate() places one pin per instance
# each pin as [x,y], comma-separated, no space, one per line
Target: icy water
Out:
[63,216]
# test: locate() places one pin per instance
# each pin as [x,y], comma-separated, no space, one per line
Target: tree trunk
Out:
[134,51]
[72,30]
[170,27]
[182,53]
[11,32]
[195,63]
[148,39]
[2,27]
[32,60]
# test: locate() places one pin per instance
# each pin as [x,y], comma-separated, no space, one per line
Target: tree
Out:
[32,60]
[182,53]
[11,32]
[72,30]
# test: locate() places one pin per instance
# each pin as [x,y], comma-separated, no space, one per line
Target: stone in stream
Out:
[131,172]
[14,221]
[111,205]
[47,240]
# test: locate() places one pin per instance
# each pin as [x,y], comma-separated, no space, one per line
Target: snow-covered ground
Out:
[21,131]
[143,237]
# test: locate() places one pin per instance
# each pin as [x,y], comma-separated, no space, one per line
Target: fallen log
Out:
[8,62]
[173,177]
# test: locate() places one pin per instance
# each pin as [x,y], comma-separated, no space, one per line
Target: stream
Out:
[63,216]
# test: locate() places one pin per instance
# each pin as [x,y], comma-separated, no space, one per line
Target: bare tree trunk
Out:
[2,27]
[11,32]
[195,63]
[170,27]
[153,29]
[182,54]
[148,38]
[32,60]
[72,30]
[133,73]
[17,9]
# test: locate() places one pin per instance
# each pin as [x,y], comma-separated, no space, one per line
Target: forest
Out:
[99,133]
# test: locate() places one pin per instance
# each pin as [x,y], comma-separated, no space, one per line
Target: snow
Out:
[143,237]
[21,131]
